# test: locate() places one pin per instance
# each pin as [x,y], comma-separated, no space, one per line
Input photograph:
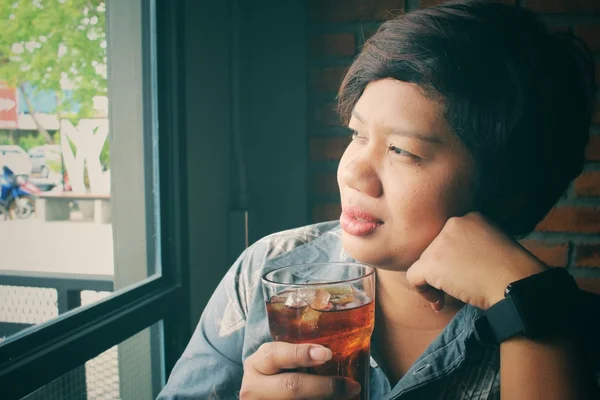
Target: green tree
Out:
[30,141]
[55,43]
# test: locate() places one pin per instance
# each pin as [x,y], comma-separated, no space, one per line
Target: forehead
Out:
[402,105]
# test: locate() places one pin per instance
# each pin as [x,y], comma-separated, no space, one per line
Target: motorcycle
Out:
[17,195]
[4,214]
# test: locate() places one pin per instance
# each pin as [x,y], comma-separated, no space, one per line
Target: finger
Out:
[306,386]
[417,279]
[439,305]
[273,357]
[431,294]
[415,275]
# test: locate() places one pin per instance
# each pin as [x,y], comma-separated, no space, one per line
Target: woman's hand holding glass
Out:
[269,374]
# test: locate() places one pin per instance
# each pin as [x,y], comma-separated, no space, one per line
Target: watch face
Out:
[544,301]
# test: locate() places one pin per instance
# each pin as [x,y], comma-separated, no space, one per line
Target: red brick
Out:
[556,255]
[587,255]
[328,148]
[327,79]
[332,45]
[571,219]
[326,212]
[589,284]
[326,115]
[563,6]
[430,3]
[588,184]
[592,151]
[590,34]
[353,10]
[325,183]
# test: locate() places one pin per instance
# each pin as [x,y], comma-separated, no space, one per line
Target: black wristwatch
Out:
[539,306]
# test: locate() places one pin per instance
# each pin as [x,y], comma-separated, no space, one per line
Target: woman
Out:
[469,121]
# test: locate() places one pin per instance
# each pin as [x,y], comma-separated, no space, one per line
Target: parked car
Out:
[16,159]
[42,156]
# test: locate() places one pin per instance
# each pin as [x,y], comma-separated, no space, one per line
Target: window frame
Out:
[42,353]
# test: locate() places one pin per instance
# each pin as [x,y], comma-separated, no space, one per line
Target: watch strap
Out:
[540,305]
[500,322]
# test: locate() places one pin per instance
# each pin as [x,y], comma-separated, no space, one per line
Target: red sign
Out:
[8,107]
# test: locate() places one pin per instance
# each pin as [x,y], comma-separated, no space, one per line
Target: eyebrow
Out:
[402,132]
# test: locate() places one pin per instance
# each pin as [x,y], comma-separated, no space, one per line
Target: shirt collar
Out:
[444,355]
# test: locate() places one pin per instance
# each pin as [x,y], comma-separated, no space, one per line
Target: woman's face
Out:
[402,176]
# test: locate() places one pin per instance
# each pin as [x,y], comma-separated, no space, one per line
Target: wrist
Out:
[526,269]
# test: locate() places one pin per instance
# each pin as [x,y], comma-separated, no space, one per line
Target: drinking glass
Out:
[331,304]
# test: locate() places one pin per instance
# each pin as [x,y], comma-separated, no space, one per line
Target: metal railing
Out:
[69,288]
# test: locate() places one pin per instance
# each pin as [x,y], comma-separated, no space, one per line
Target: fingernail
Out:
[352,388]
[320,354]
[435,307]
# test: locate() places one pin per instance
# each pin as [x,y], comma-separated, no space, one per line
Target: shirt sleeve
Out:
[211,365]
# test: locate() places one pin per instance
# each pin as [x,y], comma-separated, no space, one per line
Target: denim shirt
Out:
[234,325]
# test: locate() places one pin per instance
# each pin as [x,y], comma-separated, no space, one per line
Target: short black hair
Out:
[519,96]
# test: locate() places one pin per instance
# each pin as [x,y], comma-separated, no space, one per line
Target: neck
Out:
[399,306]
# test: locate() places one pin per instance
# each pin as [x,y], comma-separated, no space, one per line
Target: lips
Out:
[358,222]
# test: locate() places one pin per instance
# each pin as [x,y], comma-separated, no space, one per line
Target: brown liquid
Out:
[346,332]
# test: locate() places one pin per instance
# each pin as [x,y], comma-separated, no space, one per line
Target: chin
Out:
[372,251]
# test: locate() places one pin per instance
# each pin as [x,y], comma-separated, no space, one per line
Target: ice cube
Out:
[361,297]
[294,300]
[340,300]
[310,320]
[342,289]
[277,306]
[321,299]
[351,300]
[279,298]
[348,306]
[317,299]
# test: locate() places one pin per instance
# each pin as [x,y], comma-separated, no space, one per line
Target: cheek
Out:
[341,166]
[428,199]
[456,194]
[416,206]
[339,173]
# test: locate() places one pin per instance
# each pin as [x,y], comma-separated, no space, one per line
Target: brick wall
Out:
[570,234]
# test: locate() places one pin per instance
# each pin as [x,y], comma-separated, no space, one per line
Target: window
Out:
[98,258]
[94,157]
[125,371]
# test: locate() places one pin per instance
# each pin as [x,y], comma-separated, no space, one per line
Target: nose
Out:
[361,174]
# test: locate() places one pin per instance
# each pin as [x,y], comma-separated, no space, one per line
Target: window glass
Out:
[78,203]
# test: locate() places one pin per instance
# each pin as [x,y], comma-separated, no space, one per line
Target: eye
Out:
[401,152]
[357,136]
